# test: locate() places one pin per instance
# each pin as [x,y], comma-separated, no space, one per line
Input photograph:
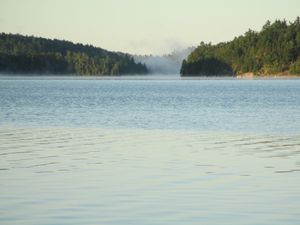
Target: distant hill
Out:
[275,50]
[28,54]
[164,64]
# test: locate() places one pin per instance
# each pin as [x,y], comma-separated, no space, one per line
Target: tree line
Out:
[273,50]
[28,54]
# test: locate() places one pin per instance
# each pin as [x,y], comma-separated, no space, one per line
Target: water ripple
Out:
[136,174]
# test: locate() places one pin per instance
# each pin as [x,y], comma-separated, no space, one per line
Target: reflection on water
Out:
[95,176]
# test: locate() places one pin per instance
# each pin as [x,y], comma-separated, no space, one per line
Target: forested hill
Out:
[274,50]
[28,54]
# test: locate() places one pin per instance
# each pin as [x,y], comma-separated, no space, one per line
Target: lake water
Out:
[153,151]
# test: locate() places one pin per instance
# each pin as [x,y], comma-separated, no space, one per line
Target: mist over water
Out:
[168,64]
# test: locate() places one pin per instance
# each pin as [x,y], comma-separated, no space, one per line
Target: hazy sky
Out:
[142,26]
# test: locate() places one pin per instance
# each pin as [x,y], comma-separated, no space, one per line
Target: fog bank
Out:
[168,64]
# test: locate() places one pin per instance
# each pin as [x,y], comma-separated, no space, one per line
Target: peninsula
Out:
[275,50]
[33,55]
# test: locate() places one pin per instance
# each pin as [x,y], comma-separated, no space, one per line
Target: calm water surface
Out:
[149,152]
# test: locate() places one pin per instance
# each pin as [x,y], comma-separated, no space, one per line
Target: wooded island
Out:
[275,50]
[32,55]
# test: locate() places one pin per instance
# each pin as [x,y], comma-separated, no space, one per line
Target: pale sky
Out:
[142,26]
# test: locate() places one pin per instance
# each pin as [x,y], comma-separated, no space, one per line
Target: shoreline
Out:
[251,75]
[246,76]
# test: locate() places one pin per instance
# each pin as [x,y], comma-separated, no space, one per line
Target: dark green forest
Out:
[28,54]
[274,50]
